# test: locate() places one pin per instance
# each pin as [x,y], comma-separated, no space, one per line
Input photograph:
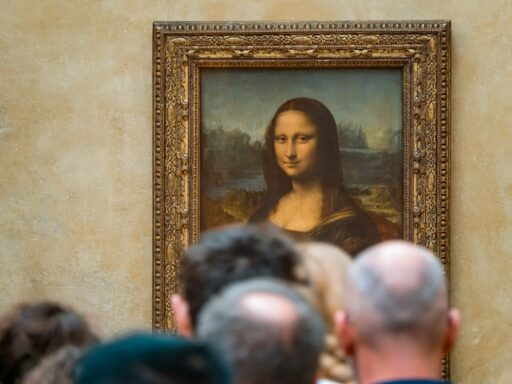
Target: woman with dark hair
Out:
[30,332]
[302,169]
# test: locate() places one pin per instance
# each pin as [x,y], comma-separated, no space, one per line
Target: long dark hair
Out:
[329,159]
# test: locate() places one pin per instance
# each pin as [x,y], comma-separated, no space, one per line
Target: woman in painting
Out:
[302,169]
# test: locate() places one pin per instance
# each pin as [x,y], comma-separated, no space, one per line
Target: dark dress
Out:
[350,229]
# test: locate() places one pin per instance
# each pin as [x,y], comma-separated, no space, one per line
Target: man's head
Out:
[267,332]
[396,302]
[224,256]
[152,359]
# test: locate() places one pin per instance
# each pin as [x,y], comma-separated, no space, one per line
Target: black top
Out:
[350,229]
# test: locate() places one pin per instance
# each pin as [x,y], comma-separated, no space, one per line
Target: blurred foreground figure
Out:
[397,324]
[227,255]
[151,359]
[323,266]
[57,368]
[266,330]
[31,332]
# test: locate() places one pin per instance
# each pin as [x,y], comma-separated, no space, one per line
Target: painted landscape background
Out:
[237,104]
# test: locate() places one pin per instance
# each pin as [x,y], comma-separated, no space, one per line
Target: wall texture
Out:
[75,155]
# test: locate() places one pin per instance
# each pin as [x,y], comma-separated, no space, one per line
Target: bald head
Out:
[266,330]
[397,289]
[269,308]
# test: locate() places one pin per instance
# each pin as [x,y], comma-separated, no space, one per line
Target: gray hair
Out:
[258,349]
[397,288]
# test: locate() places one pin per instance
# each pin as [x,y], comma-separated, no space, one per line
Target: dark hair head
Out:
[280,347]
[329,160]
[232,254]
[32,331]
[151,359]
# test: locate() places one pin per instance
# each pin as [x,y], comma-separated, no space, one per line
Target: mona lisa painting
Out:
[316,152]
[334,131]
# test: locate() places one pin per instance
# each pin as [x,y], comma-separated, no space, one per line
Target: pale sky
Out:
[247,98]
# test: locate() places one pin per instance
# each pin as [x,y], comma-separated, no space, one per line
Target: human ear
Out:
[452,329]
[182,316]
[344,332]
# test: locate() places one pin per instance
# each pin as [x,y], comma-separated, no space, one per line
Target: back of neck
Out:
[375,367]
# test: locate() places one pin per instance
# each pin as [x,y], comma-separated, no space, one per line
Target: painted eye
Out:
[280,139]
[304,139]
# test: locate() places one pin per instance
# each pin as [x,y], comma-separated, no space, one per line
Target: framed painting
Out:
[334,131]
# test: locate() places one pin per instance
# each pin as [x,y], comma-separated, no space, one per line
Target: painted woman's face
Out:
[295,144]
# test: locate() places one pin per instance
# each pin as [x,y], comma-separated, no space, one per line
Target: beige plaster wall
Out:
[75,155]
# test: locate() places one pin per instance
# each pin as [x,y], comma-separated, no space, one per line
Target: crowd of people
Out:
[258,308]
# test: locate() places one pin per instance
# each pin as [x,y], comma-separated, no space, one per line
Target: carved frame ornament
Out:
[181,49]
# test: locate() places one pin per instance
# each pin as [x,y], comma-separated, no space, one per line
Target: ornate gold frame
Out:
[181,49]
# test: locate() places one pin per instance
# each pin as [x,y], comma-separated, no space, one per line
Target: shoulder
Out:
[261,213]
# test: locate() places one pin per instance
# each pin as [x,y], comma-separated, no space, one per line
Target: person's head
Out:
[57,368]
[267,332]
[32,331]
[323,264]
[227,255]
[396,306]
[151,359]
[301,141]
